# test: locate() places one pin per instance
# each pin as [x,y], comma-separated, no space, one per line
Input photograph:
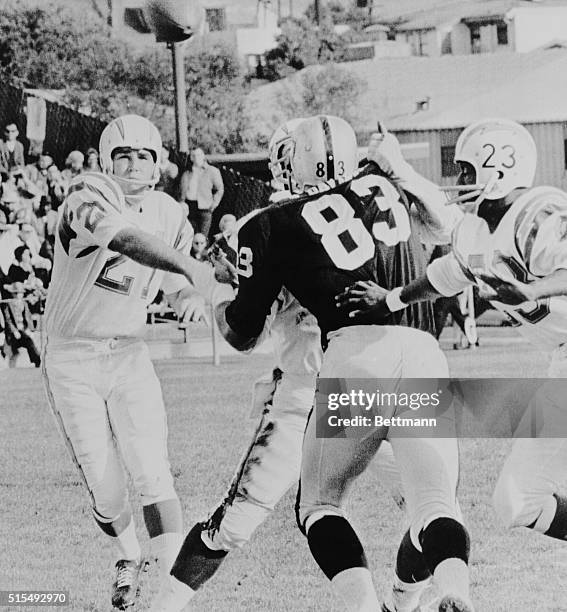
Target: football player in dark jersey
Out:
[335,231]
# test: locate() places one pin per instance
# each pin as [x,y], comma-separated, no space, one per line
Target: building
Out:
[250,25]
[426,102]
[477,26]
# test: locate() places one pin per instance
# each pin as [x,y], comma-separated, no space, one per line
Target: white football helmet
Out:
[503,155]
[324,148]
[278,149]
[130,131]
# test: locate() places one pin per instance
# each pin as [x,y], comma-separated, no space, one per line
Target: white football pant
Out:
[535,467]
[107,401]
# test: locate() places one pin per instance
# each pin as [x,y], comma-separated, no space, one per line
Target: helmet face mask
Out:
[280,148]
[323,148]
[130,132]
[503,156]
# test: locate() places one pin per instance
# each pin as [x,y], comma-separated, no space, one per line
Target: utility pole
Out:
[180,100]
[317,12]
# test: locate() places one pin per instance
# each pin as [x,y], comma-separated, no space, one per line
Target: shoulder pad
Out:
[101,186]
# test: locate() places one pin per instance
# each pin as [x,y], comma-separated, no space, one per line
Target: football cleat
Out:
[454,603]
[126,587]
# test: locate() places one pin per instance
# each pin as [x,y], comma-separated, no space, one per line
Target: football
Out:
[174,20]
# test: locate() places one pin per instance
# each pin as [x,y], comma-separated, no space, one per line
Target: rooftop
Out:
[459,89]
[453,11]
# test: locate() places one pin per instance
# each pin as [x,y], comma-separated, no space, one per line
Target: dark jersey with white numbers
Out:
[321,243]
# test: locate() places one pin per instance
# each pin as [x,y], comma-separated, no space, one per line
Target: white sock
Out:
[356,589]
[405,596]
[164,548]
[452,576]
[127,543]
[173,596]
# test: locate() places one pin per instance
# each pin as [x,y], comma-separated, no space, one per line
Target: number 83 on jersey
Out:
[344,237]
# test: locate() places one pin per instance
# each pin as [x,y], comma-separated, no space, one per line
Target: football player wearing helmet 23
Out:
[118,242]
[513,245]
[295,244]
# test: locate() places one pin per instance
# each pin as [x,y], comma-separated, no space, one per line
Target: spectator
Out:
[202,189]
[18,322]
[73,165]
[199,247]
[168,172]
[227,225]
[22,269]
[29,238]
[47,251]
[56,187]
[28,193]
[8,242]
[11,149]
[47,219]
[36,173]
[92,164]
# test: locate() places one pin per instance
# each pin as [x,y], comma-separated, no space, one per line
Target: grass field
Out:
[48,540]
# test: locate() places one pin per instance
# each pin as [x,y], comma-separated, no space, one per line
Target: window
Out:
[502,34]
[361,3]
[216,19]
[446,44]
[475,38]
[448,166]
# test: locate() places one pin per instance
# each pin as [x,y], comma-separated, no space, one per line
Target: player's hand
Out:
[225,272]
[512,293]
[362,296]
[384,149]
[194,309]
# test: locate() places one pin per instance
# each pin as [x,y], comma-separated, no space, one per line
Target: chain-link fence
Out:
[68,130]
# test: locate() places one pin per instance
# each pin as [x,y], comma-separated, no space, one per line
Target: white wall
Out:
[255,40]
[461,39]
[534,27]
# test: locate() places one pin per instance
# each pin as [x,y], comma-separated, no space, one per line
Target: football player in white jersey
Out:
[118,242]
[513,244]
[282,400]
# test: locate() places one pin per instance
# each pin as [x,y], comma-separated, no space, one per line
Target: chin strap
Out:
[130,183]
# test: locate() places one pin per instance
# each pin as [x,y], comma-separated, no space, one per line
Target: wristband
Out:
[393,300]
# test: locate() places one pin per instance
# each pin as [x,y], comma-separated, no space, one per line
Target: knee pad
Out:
[109,502]
[113,526]
[516,508]
[156,486]
[444,538]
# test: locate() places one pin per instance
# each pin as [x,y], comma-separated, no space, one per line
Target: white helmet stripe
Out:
[330,158]
[120,126]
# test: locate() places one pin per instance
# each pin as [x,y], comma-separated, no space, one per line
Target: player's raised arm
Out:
[435,220]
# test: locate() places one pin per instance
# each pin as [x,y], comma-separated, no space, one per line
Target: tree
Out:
[45,45]
[301,44]
[323,90]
